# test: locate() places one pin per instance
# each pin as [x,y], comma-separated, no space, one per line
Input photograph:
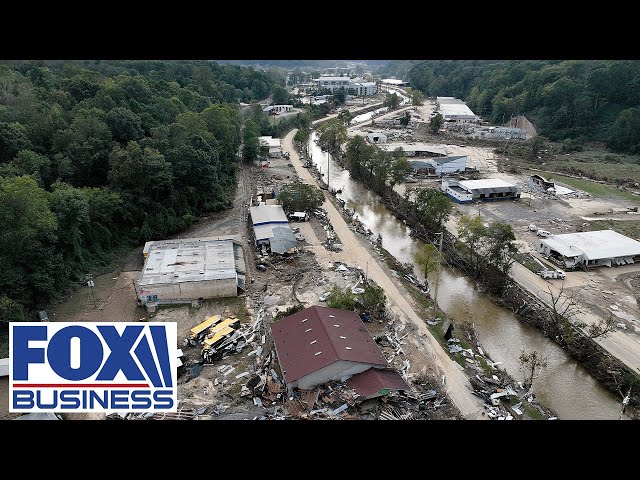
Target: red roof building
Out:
[320,344]
[377,382]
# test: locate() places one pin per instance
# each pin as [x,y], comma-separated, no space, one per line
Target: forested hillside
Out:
[95,155]
[581,100]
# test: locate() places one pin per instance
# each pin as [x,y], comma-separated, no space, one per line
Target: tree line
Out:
[583,100]
[99,155]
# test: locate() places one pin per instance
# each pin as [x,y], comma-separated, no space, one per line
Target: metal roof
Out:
[454,107]
[371,382]
[319,336]
[393,81]
[330,79]
[488,185]
[283,239]
[415,147]
[38,416]
[189,260]
[266,232]
[593,245]
[264,214]
[268,141]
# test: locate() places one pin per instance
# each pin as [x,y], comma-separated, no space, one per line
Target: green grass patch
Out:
[630,228]
[527,261]
[596,189]
[485,366]
[532,412]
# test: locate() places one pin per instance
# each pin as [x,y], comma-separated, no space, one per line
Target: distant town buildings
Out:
[353,86]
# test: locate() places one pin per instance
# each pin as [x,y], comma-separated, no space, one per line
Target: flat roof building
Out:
[191,268]
[440,165]
[271,228]
[271,146]
[321,344]
[597,248]
[464,191]
[455,110]
[416,149]
[355,86]
[393,81]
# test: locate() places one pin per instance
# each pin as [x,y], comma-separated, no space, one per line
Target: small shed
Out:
[376,137]
[377,382]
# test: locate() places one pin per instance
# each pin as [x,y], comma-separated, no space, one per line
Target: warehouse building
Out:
[440,165]
[277,109]
[455,110]
[464,191]
[272,147]
[416,149]
[598,248]
[188,269]
[321,344]
[271,228]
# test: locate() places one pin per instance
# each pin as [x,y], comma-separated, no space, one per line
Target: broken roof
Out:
[373,382]
[283,240]
[263,214]
[593,245]
[319,336]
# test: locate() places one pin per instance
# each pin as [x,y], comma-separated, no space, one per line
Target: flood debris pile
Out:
[217,336]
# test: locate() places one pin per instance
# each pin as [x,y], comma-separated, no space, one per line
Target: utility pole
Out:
[435,293]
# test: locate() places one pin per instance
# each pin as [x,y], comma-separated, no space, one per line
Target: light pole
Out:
[435,292]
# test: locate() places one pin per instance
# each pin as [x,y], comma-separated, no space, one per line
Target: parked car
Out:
[552,274]
[533,228]
[543,233]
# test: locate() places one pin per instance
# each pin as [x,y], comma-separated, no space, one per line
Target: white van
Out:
[543,233]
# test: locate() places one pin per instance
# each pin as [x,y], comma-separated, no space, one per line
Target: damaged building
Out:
[440,165]
[188,269]
[541,184]
[590,249]
[271,228]
[320,344]
[465,191]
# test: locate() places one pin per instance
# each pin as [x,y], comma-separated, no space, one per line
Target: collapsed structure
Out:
[597,248]
[440,165]
[272,147]
[187,269]
[271,228]
[321,344]
[465,191]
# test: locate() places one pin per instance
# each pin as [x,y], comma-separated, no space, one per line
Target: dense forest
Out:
[581,100]
[98,155]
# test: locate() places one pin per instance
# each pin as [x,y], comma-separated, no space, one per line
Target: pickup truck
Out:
[552,274]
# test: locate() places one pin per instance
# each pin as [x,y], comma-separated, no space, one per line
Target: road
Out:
[459,388]
[354,111]
[622,346]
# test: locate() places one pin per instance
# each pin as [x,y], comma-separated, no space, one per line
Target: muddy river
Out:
[564,386]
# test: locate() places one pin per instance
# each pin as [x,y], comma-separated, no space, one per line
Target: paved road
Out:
[459,388]
[622,346]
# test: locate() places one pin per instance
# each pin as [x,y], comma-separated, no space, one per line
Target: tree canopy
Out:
[95,155]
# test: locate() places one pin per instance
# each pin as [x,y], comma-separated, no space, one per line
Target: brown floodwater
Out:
[564,386]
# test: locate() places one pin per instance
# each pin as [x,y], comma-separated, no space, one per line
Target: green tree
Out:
[342,298]
[124,125]
[32,163]
[471,231]
[373,298]
[417,98]
[345,116]
[405,119]
[432,209]
[339,97]
[392,100]
[301,139]
[300,197]
[428,259]
[250,145]
[435,124]
[536,144]
[280,96]
[13,138]
[333,134]
[11,311]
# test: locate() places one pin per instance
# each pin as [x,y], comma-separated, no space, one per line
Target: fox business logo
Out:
[93,367]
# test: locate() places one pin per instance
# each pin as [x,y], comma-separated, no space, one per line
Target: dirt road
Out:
[458,386]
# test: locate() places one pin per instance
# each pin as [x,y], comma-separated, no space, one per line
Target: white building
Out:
[271,146]
[376,137]
[602,247]
[393,82]
[271,228]
[415,149]
[191,268]
[277,109]
[354,86]
[440,165]
[455,110]
[464,191]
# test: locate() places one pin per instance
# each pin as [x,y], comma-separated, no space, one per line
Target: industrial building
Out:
[376,137]
[455,110]
[393,82]
[272,147]
[277,109]
[271,228]
[440,165]
[598,248]
[354,86]
[464,191]
[187,269]
[321,344]
[416,149]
